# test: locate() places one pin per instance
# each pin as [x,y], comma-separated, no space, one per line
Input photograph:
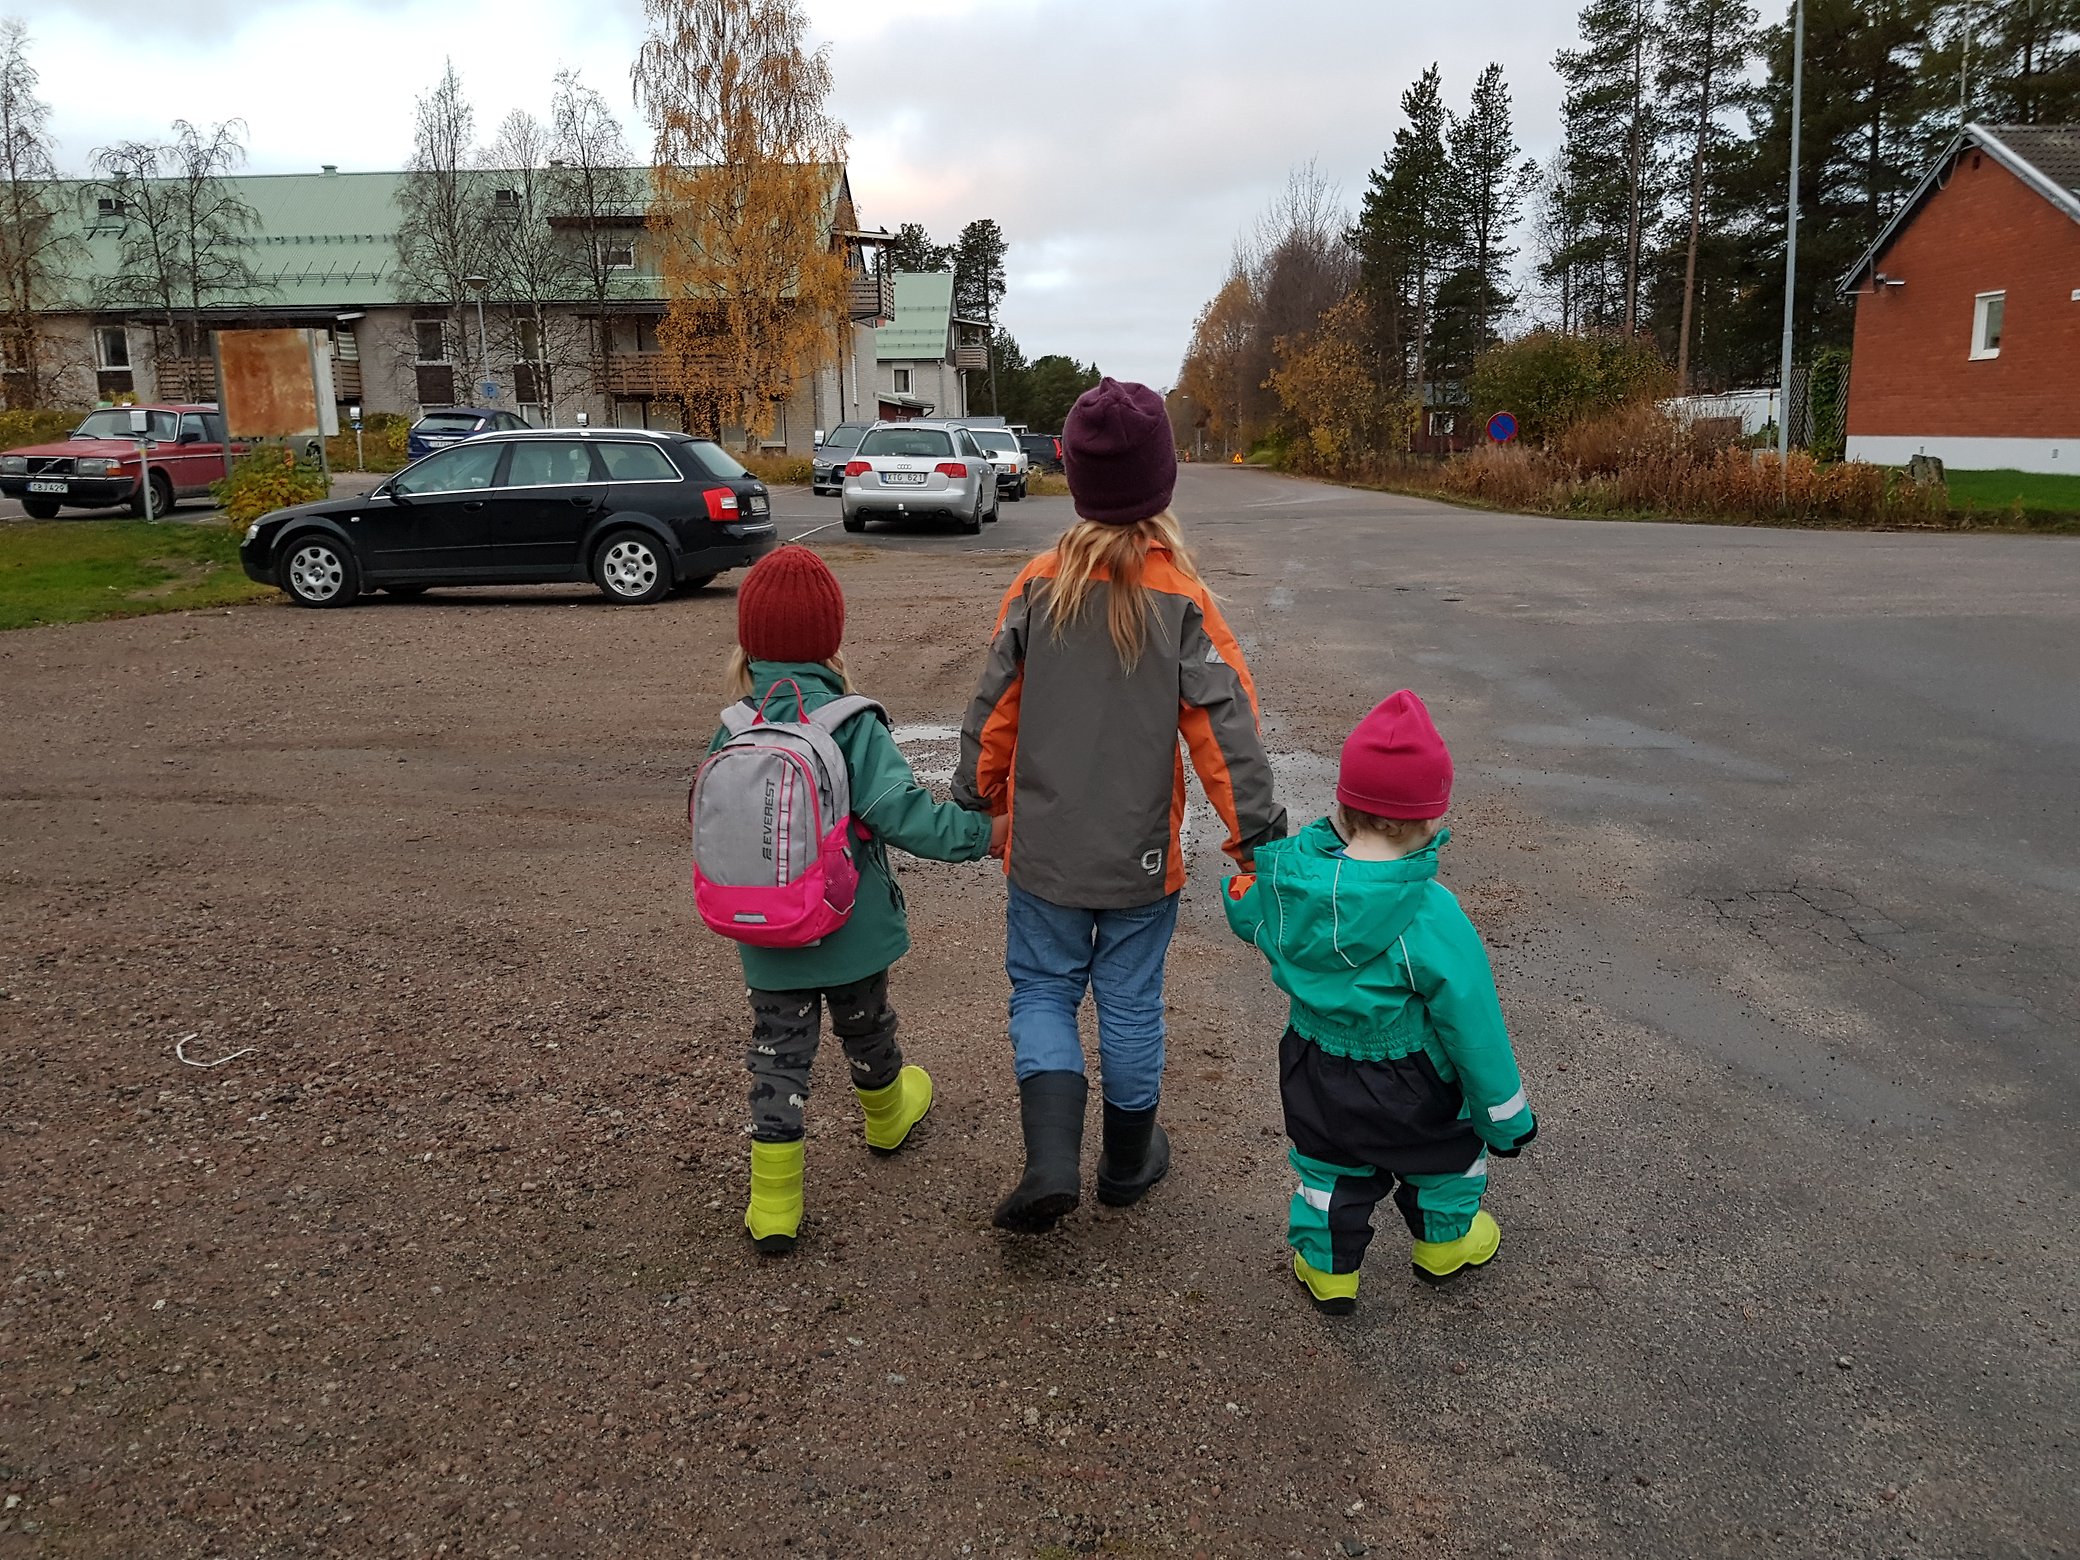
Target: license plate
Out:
[48,487]
[903,478]
[758,503]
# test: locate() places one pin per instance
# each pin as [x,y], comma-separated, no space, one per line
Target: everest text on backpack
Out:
[771,812]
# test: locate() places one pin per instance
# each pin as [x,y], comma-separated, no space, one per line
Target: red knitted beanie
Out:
[790,608]
[1395,765]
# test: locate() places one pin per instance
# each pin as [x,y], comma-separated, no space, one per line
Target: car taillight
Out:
[951,468]
[722,504]
[857,468]
[1057,449]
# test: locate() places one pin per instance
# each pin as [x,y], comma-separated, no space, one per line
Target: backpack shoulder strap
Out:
[739,718]
[834,714]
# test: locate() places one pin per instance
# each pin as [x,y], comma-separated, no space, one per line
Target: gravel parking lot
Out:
[374,1109]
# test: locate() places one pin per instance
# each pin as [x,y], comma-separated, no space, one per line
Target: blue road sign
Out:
[1502,427]
[488,389]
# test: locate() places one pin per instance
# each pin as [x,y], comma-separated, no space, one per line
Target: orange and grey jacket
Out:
[1083,754]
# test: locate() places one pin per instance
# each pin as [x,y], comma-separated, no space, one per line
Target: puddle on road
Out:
[933,750]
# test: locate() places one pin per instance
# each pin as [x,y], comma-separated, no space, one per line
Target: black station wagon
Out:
[638,514]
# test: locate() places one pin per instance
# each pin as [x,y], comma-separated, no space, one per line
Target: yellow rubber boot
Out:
[1439,1260]
[1334,1293]
[894,1110]
[775,1214]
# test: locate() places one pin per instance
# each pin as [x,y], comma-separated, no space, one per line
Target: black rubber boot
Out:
[1050,1111]
[1137,1155]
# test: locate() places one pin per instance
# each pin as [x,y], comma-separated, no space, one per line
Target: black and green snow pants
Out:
[1365,1130]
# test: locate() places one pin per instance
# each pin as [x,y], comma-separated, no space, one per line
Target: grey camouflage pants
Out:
[785,1029]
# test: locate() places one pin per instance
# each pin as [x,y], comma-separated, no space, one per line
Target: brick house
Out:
[1968,310]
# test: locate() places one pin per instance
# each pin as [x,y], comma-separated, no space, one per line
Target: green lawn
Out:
[2001,490]
[73,571]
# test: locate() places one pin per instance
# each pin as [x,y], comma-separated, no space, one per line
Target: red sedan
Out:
[97,467]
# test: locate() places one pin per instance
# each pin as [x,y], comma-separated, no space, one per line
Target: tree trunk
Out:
[1704,131]
[1634,153]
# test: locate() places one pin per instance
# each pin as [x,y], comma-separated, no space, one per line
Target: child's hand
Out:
[999,833]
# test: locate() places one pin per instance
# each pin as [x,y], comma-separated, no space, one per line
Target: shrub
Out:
[778,470]
[35,425]
[267,479]
[1550,381]
[383,437]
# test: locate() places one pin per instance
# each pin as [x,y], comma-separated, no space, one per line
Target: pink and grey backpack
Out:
[771,812]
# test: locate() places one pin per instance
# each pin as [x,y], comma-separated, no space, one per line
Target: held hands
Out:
[999,834]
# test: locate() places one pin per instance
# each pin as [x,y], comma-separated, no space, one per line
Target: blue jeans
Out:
[1053,954]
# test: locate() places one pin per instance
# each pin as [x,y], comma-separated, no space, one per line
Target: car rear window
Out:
[450,422]
[995,439]
[717,461]
[907,441]
[628,461]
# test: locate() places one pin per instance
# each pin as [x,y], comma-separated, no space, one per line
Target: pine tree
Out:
[1491,182]
[2004,62]
[1610,134]
[914,250]
[979,281]
[1705,50]
[1409,233]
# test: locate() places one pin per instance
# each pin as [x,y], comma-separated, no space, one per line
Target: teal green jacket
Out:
[1379,962]
[895,809]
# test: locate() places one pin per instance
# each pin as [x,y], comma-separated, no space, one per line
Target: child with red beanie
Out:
[790,620]
[1396,1070]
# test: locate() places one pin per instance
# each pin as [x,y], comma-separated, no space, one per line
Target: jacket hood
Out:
[1327,911]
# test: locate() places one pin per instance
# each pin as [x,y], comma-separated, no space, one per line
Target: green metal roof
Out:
[324,241]
[923,322]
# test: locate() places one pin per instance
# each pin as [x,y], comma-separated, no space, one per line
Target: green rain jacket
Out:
[1379,962]
[895,809]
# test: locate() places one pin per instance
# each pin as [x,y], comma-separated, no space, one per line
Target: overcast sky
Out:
[1121,143]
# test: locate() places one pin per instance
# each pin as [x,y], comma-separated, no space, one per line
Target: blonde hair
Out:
[736,673]
[1351,821]
[1090,553]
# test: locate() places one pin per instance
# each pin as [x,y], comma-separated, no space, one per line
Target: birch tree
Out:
[748,163]
[33,244]
[444,220]
[600,198]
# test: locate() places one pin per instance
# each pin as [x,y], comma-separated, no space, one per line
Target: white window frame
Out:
[1982,307]
[902,381]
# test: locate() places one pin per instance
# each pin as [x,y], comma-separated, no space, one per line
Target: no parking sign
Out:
[1502,427]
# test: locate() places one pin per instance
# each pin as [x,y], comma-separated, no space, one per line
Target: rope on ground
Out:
[180,1050]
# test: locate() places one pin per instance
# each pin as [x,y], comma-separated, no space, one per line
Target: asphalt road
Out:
[1027,525]
[1774,834]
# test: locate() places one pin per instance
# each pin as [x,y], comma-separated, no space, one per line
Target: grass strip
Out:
[77,571]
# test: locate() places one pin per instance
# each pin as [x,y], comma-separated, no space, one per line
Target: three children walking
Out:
[1396,1069]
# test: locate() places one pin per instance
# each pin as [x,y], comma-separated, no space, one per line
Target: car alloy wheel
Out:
[318,574]
[631,570]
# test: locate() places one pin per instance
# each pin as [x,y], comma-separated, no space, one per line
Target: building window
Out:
[1987,310]
[111,347]
[505,200]
[617,254]
[1443,424]
[110,208]
[431,339]
[902,381]
[636,333]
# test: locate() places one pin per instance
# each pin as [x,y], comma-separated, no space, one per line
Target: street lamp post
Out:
[1798,82]
[478,284]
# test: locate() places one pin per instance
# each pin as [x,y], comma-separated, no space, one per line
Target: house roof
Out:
[924,319]
[324,240]
[2044,157]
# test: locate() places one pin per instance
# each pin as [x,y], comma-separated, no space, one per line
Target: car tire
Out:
[39,509]
[404,590]
[971,525]
[1019,491]
[631,569]
[318,571]
[855,523]
[161,500]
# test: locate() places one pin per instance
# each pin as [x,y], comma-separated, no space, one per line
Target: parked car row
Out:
[1014,453]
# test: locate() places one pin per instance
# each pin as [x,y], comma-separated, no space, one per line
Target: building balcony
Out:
[872,299]
[971,355]
[346,380]
[187,379]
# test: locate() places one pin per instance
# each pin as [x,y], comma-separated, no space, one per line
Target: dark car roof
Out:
[467,411]
[658,435]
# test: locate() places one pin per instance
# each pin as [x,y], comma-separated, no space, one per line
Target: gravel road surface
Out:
[1773,834]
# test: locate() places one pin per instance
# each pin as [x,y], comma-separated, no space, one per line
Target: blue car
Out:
[442,426]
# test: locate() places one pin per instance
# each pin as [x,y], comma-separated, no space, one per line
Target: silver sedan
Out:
[905,469]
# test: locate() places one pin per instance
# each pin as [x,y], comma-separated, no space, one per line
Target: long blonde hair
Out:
[736,673]
[1090,554]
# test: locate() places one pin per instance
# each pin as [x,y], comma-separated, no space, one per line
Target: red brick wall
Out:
[1985,231]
